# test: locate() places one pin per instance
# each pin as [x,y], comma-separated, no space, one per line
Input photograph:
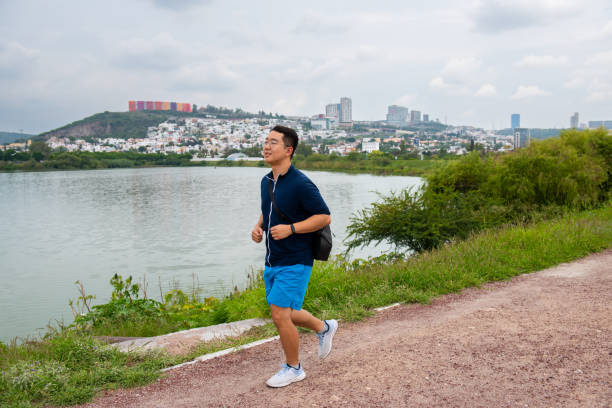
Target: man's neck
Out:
[281,168]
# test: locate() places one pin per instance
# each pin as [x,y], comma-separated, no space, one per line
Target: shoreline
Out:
[343,164]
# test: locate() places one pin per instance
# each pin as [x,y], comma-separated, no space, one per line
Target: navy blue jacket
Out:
[298,198]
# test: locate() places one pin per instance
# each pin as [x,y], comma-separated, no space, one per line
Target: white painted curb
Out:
[222,353]
[208,333]
[378,309]
[247,346]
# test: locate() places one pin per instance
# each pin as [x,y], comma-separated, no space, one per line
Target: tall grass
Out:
[66,369]
[350,291]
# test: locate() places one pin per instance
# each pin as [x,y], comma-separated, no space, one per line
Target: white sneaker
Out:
[286,376]
[325,339]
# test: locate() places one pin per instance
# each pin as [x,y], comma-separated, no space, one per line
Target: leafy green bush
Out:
[477,192]
[128,314]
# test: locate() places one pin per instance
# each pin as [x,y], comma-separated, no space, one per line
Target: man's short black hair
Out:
[290,137]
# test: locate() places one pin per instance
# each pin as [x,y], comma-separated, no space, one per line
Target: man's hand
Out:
[257,234]
[280,231]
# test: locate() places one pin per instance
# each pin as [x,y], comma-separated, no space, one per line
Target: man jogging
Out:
[289,250]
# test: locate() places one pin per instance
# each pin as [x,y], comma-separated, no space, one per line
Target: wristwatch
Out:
[292,229]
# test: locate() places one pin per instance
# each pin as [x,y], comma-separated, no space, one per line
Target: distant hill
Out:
[121,125]
[10,137]
[535,133]
[125,125]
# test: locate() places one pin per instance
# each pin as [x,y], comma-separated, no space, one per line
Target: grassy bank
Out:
[350,290]
[26,161]
[346,165]
[68,366]
[385,166]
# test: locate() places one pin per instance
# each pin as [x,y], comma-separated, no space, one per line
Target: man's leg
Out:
[281,316]
[303,318]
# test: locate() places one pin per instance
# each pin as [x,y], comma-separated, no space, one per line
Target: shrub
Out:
[549,177]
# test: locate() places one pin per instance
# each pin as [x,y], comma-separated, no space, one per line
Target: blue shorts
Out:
[286,285]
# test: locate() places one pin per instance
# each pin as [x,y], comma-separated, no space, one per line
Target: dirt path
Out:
[540,340]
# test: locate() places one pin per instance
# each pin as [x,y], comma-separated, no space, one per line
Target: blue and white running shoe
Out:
[325,338]
[286,376]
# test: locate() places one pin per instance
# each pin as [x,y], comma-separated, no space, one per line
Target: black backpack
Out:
[321,239]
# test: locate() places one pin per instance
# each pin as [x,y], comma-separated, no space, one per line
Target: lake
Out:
[176,226]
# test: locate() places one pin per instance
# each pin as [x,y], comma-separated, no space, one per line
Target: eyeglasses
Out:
[272,143]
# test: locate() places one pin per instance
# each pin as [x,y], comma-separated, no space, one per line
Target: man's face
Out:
[274,150]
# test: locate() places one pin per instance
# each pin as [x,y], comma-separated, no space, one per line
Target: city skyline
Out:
[472,65]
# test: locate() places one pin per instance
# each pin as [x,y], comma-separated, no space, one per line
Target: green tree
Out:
[355,156]
[40,150]
[229,151]
[254,151]
[304,150]
[21,156]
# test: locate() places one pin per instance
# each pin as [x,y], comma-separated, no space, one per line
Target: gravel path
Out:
[539,340]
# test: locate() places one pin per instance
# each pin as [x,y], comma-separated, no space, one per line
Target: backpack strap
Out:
[278,211]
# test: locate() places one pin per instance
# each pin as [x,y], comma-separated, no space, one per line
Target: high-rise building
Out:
[522,137]
[320,123]
[515,121]
[574,120]
[426,118]
[331,110]
[415,116]
[594,124]
[396,115]
[346,110]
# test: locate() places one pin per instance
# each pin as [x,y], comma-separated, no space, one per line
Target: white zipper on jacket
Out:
[270,220]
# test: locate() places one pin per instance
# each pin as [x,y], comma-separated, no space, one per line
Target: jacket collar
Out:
[270,175]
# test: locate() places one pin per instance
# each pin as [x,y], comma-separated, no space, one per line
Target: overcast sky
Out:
[467,63]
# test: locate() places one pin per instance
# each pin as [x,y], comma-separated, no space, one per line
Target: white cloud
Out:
[318,24]
[599,90]
[596,33]
[180,5]
[291,105]
[378,18]
[161,52]
[405,100]
[603,59]
[451,88]
[574,83]
[503,15]
[248,55]
[214,76]
[309,69]
[487,90]
[468,113]
[460,67]
[527,91]
[607,30]
[438,83]
[537,61]
[15,58]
